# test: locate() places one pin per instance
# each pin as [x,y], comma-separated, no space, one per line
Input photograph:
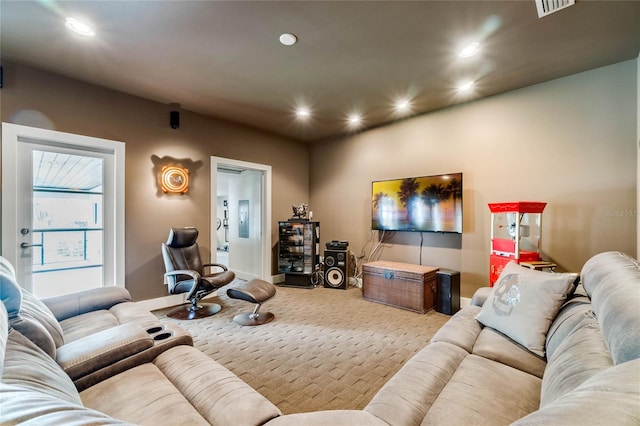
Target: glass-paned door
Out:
[62,210]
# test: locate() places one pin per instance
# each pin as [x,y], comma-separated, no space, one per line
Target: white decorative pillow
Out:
[523,303]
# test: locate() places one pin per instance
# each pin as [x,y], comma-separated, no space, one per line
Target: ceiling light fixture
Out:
[466,86]
[470,50]
[354,119]
[288,39]
[403,106]
[303,113]
[79,27]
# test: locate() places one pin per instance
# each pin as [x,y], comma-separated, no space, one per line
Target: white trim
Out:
[266,208]
[11,135]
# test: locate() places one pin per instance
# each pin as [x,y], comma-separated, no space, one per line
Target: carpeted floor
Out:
[326,349]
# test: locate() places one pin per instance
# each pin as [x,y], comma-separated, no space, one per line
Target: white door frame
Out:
[265,214]
[12,134]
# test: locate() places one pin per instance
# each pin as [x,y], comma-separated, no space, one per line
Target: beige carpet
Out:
[326,349]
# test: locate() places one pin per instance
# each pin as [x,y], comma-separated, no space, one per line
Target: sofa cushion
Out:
[142,395]
[82,325]
[181,386]
[29,367]
[461,330]
[35,331]
[407,397]
[523,303]
[609,397]
[25,406]
[34,308]
[465,331]
[569,316]
[495,346]
[485,392]
[580,355]
[612,280]
[328,418]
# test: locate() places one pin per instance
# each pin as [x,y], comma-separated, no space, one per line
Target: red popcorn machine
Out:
[516,234]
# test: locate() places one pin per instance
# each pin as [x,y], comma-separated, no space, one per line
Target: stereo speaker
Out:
[174,119]
[448,291]
[336,267]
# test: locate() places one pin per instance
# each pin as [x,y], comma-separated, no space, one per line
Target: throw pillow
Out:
[29,315]
[523,303]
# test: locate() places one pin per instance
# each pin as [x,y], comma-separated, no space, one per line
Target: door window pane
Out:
[67,220]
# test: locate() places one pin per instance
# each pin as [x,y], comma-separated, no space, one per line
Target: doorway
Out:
[241,217]
[63,210]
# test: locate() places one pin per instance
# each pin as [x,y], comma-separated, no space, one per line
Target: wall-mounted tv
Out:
[420,204]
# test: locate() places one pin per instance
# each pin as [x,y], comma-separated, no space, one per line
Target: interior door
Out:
[61,237]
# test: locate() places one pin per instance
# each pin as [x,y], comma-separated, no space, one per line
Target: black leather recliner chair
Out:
[185,273]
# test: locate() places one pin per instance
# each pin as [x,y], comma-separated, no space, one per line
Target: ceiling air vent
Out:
[547,7]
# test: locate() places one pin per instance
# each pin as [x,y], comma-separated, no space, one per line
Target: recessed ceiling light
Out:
[303,113]
[288,39]
[79,27]
[402,106]
[354,119]
[470,50]
[466,86]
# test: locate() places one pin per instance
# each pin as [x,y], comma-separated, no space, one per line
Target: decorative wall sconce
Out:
[174,180]
[174,175]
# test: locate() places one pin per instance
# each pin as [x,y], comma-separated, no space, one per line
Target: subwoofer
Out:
[336,267]
[448,291]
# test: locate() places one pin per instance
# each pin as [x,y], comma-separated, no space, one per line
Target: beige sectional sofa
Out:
[101,359]
[473,374]
[572,356]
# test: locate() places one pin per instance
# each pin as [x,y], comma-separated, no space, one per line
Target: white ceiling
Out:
[223,58]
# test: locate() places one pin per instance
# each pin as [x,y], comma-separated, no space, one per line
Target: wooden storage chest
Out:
[402,285]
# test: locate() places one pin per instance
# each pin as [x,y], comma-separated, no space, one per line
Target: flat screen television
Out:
[419,204]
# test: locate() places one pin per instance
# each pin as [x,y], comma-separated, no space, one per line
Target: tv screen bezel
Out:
[457,224]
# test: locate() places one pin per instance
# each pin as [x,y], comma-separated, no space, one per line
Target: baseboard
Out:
[273,279]
[179,299]
[163,302]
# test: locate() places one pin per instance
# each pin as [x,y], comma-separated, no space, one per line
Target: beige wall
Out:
[35,98]
[570,142]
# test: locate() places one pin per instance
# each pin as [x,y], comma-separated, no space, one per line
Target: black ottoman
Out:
[255,291]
